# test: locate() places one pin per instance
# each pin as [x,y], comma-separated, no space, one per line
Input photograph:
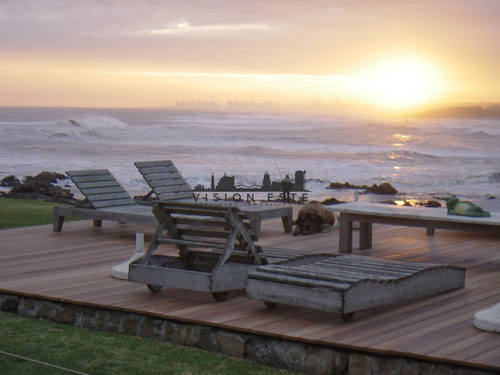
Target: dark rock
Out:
[229,343]
[9,303]
[433,204]
[45,178]
[345,185]
[330,201]
[131,324]
[10,181]
[28,307]
[297,356]
[48,193]
[383,189]
[41,187]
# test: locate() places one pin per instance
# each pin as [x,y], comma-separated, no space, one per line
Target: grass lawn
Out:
[29,346]
[23,213]
[50,348]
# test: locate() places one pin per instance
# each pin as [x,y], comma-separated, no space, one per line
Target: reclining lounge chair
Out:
[108,198]
[167,183]
[217,249]
[345,284]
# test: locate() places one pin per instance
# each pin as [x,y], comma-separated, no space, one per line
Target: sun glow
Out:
[402,83]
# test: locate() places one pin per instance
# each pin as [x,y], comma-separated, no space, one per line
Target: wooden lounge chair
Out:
[348,283]
[108,199]
[167,183]
[216,250]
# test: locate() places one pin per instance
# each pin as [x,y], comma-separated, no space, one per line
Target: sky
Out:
[135,53]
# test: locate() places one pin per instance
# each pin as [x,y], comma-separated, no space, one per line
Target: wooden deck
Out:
[75,266]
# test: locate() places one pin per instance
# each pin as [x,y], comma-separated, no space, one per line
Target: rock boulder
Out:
[41,187]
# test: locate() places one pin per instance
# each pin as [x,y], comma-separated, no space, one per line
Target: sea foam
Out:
[419,157]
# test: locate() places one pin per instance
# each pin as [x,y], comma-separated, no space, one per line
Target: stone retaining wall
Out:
[301,357]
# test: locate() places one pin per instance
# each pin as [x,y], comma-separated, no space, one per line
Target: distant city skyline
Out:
[236,105]
[228,183]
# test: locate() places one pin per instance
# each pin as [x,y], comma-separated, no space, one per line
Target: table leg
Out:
[345,238]
[288,221]
[365,235]
[255,221]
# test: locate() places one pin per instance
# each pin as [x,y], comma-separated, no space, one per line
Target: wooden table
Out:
[367,213]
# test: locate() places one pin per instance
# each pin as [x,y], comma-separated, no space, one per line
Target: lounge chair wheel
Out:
[347,316]
[220,296]
[270,305]
[154,288]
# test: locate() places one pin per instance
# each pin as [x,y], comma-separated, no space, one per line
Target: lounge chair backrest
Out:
[165,180]
[101,188]
[224,230]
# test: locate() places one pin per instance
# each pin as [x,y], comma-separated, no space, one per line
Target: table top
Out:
[406,212]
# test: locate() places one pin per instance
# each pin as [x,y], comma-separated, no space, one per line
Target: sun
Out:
[402,82]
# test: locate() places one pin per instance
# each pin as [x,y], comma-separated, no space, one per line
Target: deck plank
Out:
[75,265]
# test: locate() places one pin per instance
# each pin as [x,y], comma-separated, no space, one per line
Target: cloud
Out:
[290,80]
[186,29]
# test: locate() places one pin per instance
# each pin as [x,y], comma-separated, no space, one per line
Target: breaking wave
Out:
[418,157]
[96,122]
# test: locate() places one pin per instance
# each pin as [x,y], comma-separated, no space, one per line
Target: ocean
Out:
[421,158]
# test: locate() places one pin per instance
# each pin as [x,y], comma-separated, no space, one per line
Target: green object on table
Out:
[464,208]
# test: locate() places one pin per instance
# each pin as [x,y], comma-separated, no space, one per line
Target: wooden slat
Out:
[88,172]
[176,176]
[153,163]
[169,186]
[98,184]
[82,179]
[176,196]
[90,176]
[201,233]
[103,190]
[113,203]
[159,169]
[199,210]
[201,221]
[194,243]
[108,196]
